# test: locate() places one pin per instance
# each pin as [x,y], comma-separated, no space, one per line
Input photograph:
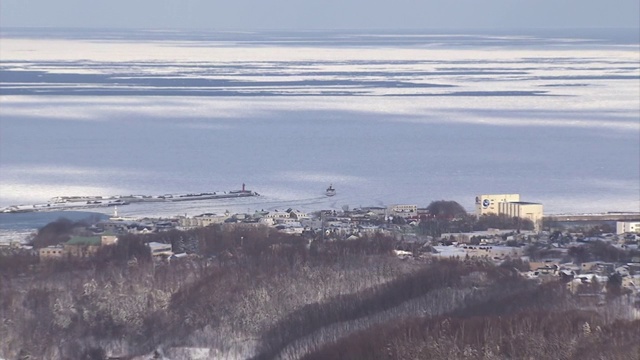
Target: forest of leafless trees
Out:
[252,293]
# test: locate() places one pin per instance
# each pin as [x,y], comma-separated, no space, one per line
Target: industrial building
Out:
[488,204]
[623,227]
[511,206]
[523,210]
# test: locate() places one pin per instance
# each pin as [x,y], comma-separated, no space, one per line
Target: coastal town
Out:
[503,229]
[150,273]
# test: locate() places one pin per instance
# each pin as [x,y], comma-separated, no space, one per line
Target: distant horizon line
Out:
[238,30]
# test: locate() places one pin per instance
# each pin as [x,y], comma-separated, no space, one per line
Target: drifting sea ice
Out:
[402,121]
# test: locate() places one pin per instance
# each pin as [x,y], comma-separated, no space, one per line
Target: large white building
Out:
[203,220]
[511,206]
[488,204]
[523,210]
[623,227]
[404,211]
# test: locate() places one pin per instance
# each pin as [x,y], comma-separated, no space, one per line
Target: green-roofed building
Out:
[85,240]
[82,246]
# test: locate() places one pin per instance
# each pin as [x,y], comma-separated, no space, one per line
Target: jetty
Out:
[89,202]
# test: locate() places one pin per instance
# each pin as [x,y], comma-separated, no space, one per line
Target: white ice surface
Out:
[575,149]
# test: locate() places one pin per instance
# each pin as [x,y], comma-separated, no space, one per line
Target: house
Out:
[632,283]
[298,215]
[160,249]
[178,256]
[286,220]
[108,240]
[375,210]
[14,244]
[543,265]
[277,215]
[494,252]
[449,252]
[266,221]
[588,266]
[369,229]
[291,228]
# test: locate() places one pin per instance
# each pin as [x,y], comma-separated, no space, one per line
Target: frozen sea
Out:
[386,117]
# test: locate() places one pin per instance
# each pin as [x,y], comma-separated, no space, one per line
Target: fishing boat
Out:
[330,191]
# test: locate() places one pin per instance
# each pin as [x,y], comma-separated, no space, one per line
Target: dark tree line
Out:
[494,221]
[313,317]
[523,335]
[122,302]
[58,232]
[532,323]
[444,209]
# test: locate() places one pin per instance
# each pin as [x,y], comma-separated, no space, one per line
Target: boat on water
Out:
[330,191]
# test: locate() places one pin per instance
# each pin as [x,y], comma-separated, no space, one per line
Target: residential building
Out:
[404,211]
[375,210]
[160,249]
[286,220]
[83,246]
[78,246]
[466,237]
[494,252]
[51,252]
[298,215]
[203,220]
[108,240]
[277,215]
[266,221]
